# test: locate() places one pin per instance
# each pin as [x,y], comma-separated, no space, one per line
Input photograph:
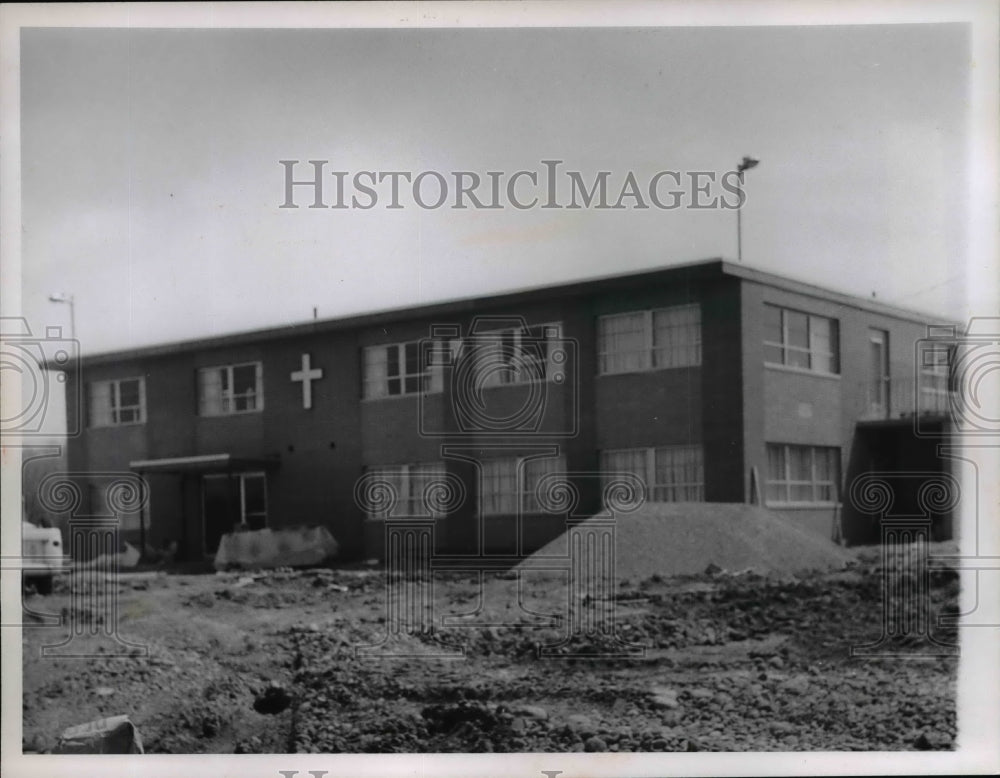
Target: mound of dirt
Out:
[686,538]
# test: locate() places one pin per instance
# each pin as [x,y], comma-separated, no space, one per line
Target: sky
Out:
[151,181]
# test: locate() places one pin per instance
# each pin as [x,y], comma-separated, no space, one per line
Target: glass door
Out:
[232,501]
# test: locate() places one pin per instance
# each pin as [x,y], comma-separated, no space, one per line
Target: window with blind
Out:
[117,402]
[230,389]
[800,340]
[649,340]
[670,473]
[803,475]
[510,485]
[410,484]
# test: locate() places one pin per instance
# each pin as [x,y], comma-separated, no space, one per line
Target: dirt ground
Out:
[714,662]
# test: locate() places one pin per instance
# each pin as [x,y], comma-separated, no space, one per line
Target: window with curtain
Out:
[511,483]
[230,389]
[802,474]
[117,402]
[410,483]
[649,340]
[670,473]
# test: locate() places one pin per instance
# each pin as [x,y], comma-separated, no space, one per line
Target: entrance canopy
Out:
[204,463]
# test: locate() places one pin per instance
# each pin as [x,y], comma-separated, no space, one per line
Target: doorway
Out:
[232,501]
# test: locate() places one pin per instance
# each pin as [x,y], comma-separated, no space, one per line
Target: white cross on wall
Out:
[307,375]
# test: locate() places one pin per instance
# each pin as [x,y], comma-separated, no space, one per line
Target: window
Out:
[251,491]
[935,379]
[799,340]
[101,506]
[670,473]
[410,483]
[515,356]
[400,368]
[649,340]
[512,483]
[230,389]
[879,379]
[802,474]
[117,402]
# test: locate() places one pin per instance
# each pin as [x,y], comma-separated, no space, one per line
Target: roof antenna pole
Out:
[746,164]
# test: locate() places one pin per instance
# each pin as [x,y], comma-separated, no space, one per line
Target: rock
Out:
[104,691]
[931,741]
[664,697]
[776,662]
[273,700]
[701,694]
[594,744]
[580,723]
[531,711]
[796,686]
[712,569]
[115,735]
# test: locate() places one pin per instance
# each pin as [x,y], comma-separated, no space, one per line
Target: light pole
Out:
[62,297]
[746,164]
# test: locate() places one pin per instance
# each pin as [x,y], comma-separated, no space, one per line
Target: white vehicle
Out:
[42,556]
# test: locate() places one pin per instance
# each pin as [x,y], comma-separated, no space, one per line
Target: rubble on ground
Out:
[726,661]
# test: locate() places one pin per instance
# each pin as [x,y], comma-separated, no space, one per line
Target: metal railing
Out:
[907,397]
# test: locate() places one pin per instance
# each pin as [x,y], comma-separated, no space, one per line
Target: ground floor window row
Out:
[531,485]
[796,475]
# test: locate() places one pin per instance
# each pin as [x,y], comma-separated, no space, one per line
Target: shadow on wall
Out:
[906,463]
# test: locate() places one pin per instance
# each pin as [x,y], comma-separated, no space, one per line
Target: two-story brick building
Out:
[710,381]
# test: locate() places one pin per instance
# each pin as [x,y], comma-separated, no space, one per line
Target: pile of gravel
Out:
[688,538]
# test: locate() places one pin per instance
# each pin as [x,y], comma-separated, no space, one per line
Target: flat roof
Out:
[574,288]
